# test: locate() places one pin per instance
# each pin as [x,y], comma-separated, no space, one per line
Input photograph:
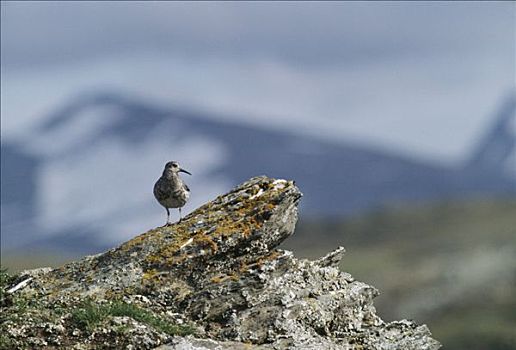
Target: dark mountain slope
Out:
[338,179]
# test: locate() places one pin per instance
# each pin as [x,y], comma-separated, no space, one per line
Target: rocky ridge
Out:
[213,281]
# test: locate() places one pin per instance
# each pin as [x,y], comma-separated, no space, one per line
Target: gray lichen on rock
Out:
[214,280]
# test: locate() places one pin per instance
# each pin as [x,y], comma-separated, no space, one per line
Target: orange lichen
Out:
[261,261]
[141,239]
[243,267]
[239,217]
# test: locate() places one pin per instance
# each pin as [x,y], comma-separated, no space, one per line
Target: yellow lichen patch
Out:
[244,219]
[204,240]
[150,274]
[170,245]
[239,214]
[229,228]
[167,250]
[154,259]
[244,267]
[141,239]
[222,278]
[174,260]
[153,277]
[272,256]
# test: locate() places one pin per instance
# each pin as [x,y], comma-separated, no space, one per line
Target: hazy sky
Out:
[421,78]
[301,33]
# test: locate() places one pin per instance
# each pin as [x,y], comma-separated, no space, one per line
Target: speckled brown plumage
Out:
[170,190]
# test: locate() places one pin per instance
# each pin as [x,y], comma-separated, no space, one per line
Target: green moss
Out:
[122,329]
[4,278]
[14,305]
[6,343]
[5,282]
[144,316]
[89,315]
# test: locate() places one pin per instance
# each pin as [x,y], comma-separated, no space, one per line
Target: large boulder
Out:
[215,280]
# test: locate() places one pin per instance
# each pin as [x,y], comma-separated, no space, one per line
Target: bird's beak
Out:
[184,171]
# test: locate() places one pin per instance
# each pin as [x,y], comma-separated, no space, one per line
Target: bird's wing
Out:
[160,191]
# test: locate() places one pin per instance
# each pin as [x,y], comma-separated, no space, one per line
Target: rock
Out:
[216,275]
[189,343]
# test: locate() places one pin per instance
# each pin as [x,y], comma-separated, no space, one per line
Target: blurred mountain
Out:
[496,151]
[83,180]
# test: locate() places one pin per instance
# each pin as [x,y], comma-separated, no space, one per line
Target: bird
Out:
[170,190]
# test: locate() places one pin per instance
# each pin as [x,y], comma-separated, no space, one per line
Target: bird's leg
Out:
[179,214]
[168,217]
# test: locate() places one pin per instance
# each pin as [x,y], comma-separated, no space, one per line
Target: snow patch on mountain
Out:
[108,185]
[389,104]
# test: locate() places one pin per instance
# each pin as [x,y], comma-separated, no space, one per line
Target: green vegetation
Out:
[16,309]
[90,314]
[12,308]
[6,342]
[16,303]
[4,280]
[485,327]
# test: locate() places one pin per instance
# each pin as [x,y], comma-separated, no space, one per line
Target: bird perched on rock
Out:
[170,190]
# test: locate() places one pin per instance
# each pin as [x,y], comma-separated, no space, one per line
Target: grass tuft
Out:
[5,280]
[89,315]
